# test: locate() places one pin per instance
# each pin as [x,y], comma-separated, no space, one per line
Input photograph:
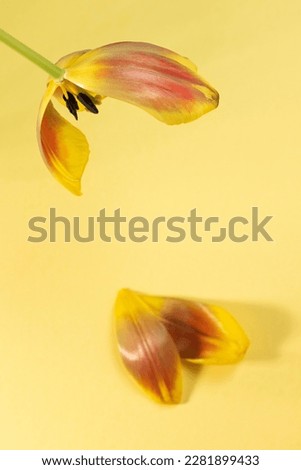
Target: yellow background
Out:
[61,385]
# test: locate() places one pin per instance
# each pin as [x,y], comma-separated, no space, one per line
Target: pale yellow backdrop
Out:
[61,385]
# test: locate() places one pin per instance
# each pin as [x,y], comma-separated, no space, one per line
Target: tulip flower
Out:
[155,333]
[161,82]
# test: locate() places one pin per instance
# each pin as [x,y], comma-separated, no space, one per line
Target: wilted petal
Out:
[160,81]
[147,349]
[203,333]
[64,148]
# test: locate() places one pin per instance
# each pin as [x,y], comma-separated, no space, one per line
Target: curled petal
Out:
[202,333]
[147,349]
[160,81]
[64,148]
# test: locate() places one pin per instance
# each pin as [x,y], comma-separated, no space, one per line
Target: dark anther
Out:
[87,102]
[71,104]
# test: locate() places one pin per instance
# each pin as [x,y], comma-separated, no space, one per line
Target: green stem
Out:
[53,70]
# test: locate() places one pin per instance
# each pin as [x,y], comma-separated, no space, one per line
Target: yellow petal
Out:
[202,333]
[147,349]
[64,148]
[160,81]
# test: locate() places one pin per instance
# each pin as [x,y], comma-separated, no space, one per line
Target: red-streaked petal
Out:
[64,148]
[147,349]
[160,81]
[202,333]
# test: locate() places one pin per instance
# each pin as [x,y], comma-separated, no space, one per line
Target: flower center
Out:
[85,100]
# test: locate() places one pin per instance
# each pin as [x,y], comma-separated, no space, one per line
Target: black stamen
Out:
[71,104]
[87,102]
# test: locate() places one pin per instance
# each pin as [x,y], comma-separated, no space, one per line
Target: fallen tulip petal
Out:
[147,349]
[205,334]
[154,332]
[202,333]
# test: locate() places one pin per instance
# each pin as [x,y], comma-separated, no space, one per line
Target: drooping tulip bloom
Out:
[157,80]
[155,333]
